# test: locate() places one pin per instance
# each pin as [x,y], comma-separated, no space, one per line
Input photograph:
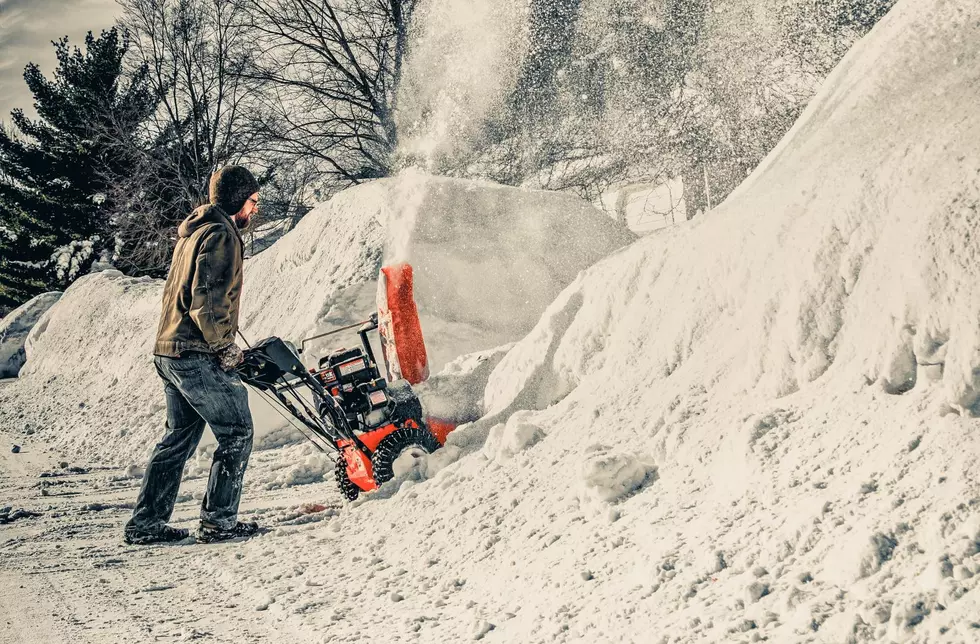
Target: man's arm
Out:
[213,287]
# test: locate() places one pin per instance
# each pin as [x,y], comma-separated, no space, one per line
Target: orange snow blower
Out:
[370,421]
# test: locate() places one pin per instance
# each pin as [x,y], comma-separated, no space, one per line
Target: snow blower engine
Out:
[344,405]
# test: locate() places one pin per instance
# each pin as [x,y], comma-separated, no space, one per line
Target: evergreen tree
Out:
[55,170]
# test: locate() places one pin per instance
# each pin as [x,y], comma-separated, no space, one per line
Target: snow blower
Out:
[369,421]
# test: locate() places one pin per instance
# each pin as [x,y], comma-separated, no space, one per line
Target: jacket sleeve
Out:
[216,283]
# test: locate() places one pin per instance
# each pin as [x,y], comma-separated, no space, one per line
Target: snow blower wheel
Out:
[396,444]
[344,484]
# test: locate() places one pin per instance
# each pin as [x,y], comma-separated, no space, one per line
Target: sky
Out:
[27,28]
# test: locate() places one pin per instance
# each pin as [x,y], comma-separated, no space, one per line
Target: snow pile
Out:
[14,329]
[488,260]
[852,248]
[89,369]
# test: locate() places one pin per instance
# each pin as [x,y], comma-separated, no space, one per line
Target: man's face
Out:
[244,216]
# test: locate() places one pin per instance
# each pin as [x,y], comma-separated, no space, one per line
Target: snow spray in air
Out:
[461,65]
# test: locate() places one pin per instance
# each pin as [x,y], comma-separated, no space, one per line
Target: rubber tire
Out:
[347,488]
[392,446]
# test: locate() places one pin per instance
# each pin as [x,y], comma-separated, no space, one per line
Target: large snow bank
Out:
[852,247]
[783,360]
[14,329]
[703,438]
[488,261]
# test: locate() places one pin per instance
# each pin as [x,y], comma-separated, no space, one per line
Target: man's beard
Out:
[240,221]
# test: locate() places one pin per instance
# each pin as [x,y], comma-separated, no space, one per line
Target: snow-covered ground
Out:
[754,426]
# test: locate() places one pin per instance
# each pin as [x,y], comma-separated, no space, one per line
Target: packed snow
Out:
[758,425]
[15,327]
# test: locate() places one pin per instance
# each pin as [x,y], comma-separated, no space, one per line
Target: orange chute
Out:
[399,327]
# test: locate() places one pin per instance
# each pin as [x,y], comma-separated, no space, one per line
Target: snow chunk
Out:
[862,554]
[480,629]
[756,591]
[507,440]
[609,475]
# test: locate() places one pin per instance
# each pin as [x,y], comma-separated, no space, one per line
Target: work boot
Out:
[166,534]
[208,533]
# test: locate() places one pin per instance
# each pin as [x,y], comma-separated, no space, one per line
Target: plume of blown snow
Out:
[460,66]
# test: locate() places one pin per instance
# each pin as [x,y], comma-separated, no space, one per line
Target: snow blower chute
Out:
[370,421]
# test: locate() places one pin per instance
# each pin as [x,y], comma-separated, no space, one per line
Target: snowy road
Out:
[66,575]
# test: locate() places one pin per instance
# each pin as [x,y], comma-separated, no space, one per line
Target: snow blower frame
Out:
[352,410]
[368,420]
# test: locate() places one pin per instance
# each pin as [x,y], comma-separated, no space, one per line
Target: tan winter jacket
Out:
[200,299]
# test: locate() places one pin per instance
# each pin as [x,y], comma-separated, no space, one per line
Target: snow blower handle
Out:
[372,320]
[370,325]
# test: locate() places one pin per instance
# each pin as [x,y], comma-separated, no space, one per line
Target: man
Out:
[195,355]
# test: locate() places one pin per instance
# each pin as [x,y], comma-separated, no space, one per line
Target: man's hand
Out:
[229,357]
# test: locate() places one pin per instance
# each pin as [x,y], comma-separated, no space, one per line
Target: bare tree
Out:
[332,70]
[285,200]
[196,51]
[637,92]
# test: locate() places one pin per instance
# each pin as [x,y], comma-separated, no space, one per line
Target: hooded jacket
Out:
[203,289]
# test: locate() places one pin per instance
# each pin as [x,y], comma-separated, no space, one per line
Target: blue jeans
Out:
[197,392]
